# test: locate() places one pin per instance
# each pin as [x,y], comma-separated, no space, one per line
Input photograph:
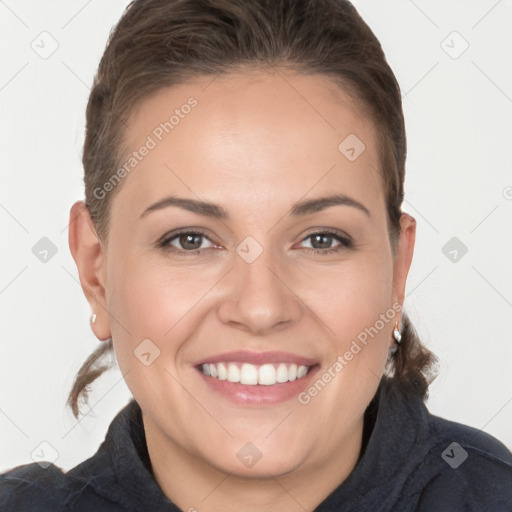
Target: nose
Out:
[259,296]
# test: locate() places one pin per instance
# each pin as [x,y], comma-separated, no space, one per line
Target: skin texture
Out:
[256,143]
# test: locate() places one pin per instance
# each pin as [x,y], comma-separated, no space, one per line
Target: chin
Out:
[252,460]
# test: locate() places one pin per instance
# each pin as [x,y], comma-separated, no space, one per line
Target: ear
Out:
[89,257]
[403,256]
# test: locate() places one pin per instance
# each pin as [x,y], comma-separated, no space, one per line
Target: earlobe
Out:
[404,254]
[87,252]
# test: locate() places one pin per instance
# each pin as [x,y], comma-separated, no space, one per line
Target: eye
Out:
[322,241]
[190,242]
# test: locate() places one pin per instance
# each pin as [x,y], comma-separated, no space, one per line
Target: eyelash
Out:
[345,242]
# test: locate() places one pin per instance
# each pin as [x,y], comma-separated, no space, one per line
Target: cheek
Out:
[150,299]
[355,304]
[350,303]
[155,310]
[351,296]
[153,301]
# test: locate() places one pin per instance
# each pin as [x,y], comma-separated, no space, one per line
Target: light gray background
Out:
[459,184]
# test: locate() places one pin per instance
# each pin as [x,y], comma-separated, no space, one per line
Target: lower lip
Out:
[259,395]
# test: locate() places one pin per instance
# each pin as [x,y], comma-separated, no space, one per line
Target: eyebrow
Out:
[218,212]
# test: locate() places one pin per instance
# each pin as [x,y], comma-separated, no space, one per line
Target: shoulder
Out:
[93,484]
[476,440]
[31,487]
[464,469]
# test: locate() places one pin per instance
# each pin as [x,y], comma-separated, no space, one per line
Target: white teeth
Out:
[267,375]
[292,372]
[282,373]
[251,375]
[233,373]
[301,371]
[222,372]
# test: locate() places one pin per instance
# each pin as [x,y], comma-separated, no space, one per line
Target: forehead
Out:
[254,134]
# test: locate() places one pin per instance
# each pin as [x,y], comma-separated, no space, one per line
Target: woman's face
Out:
[276,276]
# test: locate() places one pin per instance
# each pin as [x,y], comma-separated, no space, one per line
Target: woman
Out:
[243,251]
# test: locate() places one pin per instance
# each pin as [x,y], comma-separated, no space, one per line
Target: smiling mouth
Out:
[252,375]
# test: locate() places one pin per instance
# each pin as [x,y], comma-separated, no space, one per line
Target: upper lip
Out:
[257,358]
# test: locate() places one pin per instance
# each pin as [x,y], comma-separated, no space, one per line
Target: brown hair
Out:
[160,43]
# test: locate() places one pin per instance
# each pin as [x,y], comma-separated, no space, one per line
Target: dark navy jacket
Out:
[412,461]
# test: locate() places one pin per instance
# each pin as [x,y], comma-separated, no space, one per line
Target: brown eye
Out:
[186,242]
[190,241]
[322,242]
